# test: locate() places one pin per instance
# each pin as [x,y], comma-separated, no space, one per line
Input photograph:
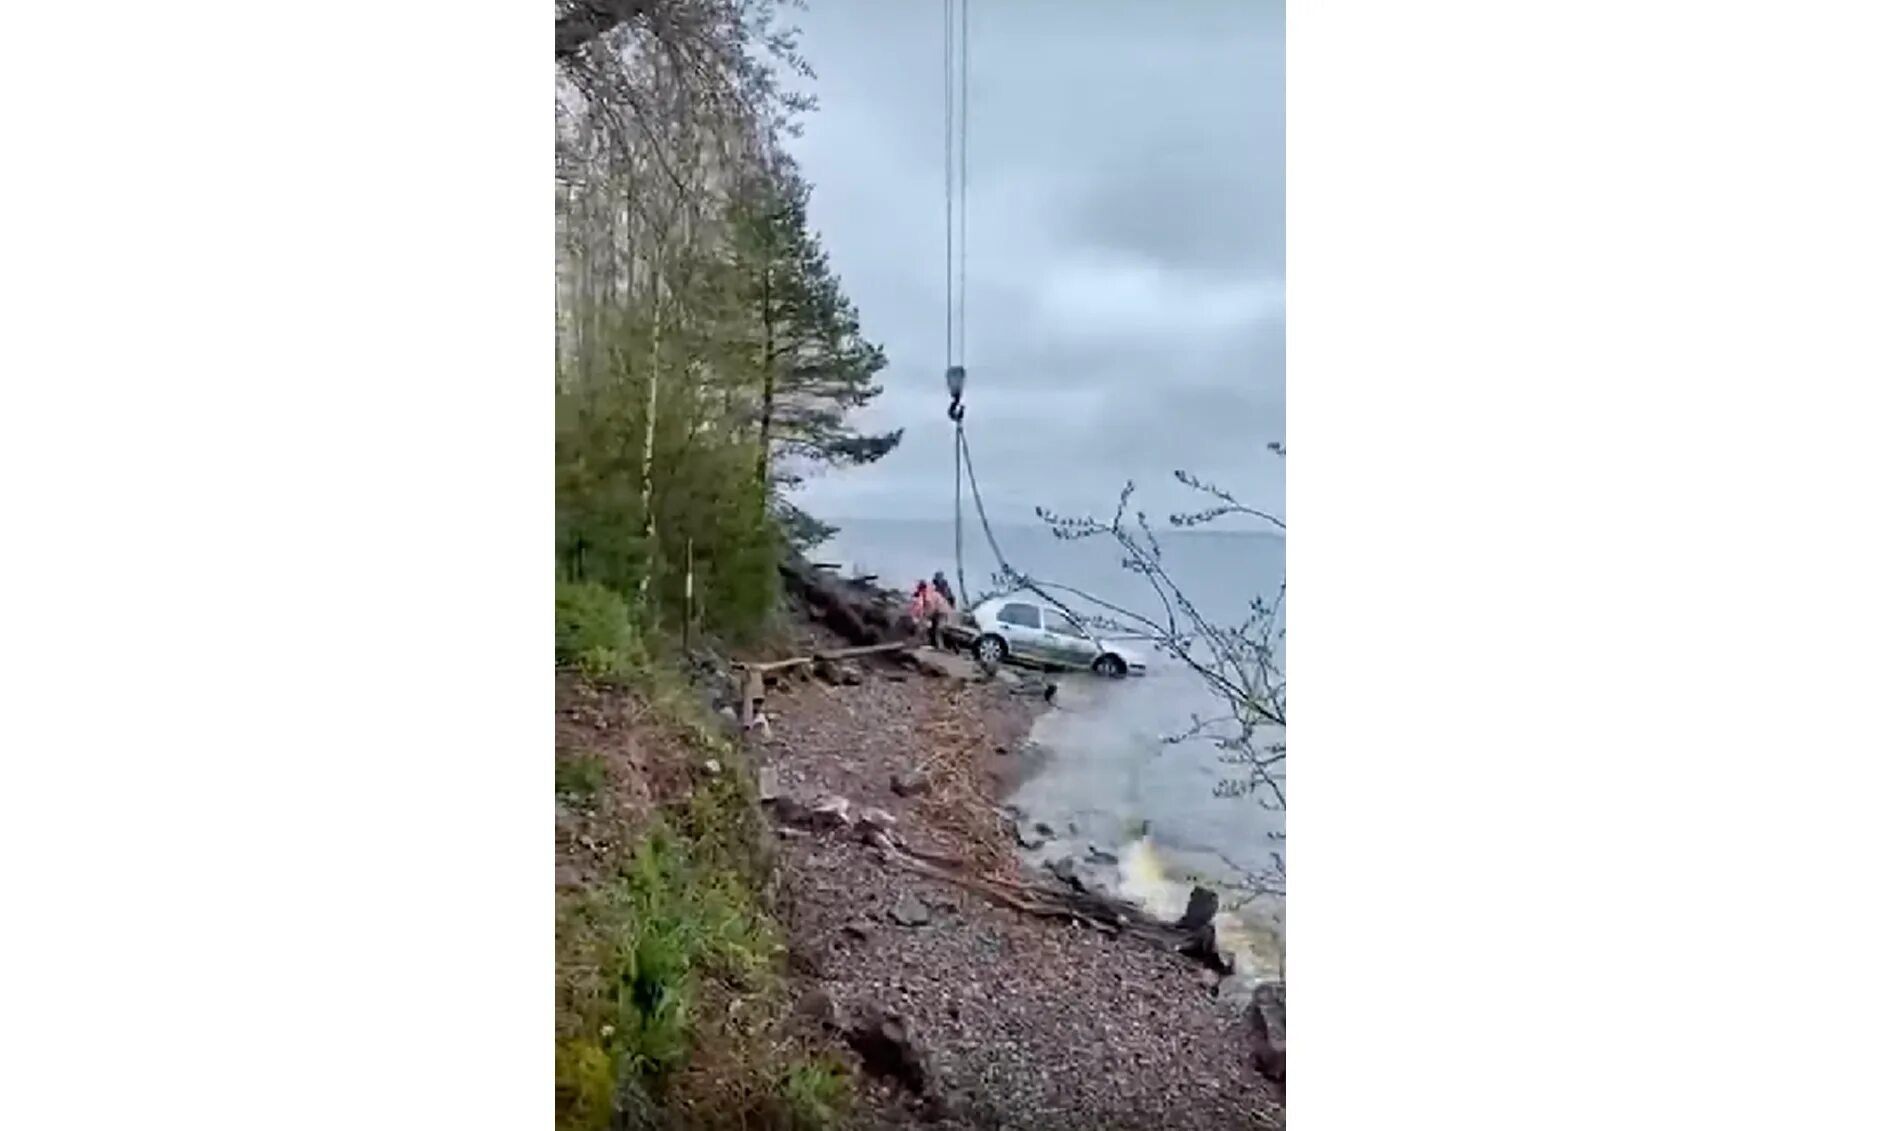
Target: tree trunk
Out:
[767,380]
[649,444]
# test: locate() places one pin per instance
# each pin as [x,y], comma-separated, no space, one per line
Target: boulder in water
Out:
[1203,903]
[1064,868]
[1198,922]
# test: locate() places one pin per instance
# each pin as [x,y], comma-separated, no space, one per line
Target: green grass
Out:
[683,909]
[580,778]
[586,1084]
[649,958]
[816,1094]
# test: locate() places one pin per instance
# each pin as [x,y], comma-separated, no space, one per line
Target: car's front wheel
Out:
[1111,666]
[991,650]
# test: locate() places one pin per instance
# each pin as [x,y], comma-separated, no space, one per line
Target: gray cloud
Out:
[1126,263]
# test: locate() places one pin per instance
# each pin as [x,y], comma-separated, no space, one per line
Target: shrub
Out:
[593,628]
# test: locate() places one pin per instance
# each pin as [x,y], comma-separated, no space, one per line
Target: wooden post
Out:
[689,591]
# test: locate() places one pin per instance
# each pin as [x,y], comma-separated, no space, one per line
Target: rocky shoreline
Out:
[966,1012]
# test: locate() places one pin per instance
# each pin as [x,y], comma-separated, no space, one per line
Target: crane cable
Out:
[957,111]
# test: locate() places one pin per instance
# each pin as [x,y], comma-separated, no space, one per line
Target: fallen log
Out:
[1103,913]
[997,893]
[835,654]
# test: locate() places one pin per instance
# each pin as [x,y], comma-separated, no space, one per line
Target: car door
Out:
[1065,641]
[1021,625]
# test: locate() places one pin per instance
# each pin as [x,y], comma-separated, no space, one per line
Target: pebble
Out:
[910,911]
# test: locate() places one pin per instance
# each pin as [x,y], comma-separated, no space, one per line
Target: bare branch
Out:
[1240,664]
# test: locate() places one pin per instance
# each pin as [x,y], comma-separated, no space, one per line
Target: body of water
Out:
[1130,810]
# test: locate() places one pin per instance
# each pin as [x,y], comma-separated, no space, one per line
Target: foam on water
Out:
[1109,783]
[1251,935]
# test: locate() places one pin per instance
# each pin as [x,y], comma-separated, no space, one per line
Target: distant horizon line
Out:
[1014,524]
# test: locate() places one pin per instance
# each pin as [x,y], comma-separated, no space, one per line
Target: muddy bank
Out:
[967,1014]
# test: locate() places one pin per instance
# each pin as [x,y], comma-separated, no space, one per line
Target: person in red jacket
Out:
[928,610]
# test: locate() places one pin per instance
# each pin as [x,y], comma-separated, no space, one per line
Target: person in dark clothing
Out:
[944,606]
[944,589]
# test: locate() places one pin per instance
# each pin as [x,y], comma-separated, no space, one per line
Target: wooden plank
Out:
[753,692]
[837,654]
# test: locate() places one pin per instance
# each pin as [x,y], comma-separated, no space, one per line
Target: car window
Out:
[1024,616]
[1058,623]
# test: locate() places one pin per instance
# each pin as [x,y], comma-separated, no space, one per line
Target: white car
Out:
[1023,628]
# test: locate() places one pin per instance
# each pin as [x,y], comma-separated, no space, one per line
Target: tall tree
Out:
[815,364]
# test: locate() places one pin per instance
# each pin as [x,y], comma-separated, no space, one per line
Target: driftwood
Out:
[837,654]
[1099,912]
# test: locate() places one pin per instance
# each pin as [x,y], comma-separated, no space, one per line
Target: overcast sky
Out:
[1125,313]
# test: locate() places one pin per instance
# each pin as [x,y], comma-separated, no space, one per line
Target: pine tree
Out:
[813,362]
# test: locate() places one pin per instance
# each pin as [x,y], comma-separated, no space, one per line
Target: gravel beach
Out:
[1007,1020]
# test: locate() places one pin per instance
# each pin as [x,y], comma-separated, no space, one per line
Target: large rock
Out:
[874,825]
[1266,1015]
[1203,903]
[817,1005]
[1198,922]
[886,1047]
[728,720]
[944,665]
[830,812]
[1064,868]
[910,911]
[910,782]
